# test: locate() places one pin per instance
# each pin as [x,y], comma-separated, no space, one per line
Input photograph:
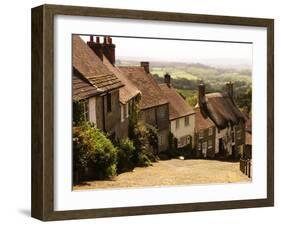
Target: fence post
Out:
[249,175]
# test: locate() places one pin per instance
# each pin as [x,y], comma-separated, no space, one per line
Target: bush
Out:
[95,157]
[78,112]
[125,155]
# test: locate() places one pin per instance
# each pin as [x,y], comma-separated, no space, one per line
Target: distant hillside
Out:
[186,77]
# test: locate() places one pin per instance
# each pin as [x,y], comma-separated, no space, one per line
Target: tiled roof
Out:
[201,122]
[91,67]
[81,87]
[152,95]
[126,92]
[178,107]
[221,108]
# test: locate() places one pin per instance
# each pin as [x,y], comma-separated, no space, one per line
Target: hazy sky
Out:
[214,53]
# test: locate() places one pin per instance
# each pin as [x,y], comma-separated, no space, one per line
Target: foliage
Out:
[187,76]
[78,110]
[125,155]
[93,153]
[152,137]
[143,136]
[244,98]
[141,144]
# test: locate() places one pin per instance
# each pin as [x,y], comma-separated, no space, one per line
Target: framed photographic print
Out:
[142,112]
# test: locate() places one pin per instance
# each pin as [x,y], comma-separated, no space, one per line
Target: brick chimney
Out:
[109,49]
[145,65]
[167,79]
[96,46]
[201,91]
[229,89]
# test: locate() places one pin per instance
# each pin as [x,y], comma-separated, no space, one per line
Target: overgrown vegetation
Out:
[94,155]
[125,156]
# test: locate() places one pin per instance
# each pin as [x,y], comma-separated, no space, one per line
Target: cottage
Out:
[97,87]
[229,121]
[154,107]
[181,115]
[205,135]
[129,94]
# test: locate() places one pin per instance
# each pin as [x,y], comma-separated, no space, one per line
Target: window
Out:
[204,149]
[210,131]
[123,112]
[108,102]
[238,134]
[199,147]
[160,140]
[127,110]
[201,134]
[177,123]
[186,120]
[188,139]
[210,143]
[161,112]
[183,141]
[85,110]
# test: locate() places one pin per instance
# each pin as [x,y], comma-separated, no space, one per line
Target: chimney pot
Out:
[201,91]
[145,65]
[229,89]
[167,79]
[91,38]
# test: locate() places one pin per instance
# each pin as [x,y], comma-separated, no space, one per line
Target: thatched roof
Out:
[220,107]
[201,122]
[178,107]
[89,65]
[152,95]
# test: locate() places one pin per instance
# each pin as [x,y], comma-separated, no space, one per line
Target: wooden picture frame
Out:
[43,110]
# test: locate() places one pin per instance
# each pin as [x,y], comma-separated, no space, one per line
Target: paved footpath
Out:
[174,172]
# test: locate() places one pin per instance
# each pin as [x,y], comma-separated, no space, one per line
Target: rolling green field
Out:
[186,77]
[175,72]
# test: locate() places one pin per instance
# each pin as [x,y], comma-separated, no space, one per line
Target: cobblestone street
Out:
[174,172]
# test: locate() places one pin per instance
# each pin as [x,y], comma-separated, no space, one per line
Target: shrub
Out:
[78,112]
[125,155]
[95,157]
[152,137]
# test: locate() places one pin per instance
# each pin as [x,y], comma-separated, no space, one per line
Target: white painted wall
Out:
[92,110]
[183,130]
[222,134]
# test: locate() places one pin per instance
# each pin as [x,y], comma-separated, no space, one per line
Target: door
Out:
[221,147]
